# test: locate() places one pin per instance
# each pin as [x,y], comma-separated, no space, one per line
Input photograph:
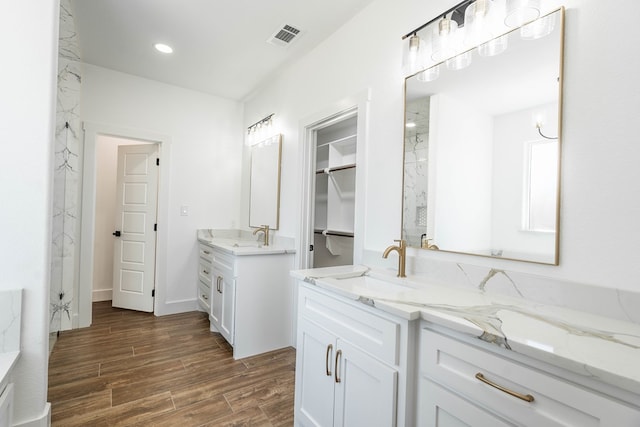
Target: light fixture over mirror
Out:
[482,157]
[471,24]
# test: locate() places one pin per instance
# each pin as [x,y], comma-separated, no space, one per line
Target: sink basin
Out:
[372,286]
[247,245]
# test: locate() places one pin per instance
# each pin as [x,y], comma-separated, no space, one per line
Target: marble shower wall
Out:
[67,176]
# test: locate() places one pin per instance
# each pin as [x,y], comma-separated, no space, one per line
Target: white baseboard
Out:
[175,307]
[101,295]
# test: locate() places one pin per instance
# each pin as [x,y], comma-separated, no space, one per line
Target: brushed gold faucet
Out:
[265,230]
[401,248]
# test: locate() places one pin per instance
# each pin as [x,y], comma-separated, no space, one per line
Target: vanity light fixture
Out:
[410,125]
[471,24]
[163,48]
[521,11]
[412,57]
[260,130]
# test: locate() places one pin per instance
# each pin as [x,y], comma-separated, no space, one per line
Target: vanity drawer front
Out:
[206,252]
[556,402]
[204,296]
[374,334]
[205,272]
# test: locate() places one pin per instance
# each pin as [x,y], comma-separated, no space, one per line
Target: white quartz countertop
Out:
[242,244]
[591,345]
[7,361]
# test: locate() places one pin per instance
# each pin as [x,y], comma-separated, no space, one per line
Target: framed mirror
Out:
[482,152]
[264,203]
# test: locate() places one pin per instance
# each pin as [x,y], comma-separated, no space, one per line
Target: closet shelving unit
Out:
[335,193]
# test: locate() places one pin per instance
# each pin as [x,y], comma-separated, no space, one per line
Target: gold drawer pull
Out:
[525,397]
[205,272]
[338,354]
[326,359]
[205,297]
[206,252]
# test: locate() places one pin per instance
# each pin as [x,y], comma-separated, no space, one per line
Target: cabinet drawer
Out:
[205,272]
[556,402]
[374,334]
[206,252]
[204,296]
[442,408]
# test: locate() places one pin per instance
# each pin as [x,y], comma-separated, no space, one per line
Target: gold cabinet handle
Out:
[205,297]
[337,369]
[218,284]
[205,272]
[206,252]
[326,359]
[525,397]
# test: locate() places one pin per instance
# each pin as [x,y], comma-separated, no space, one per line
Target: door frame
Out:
[84,285]
[308,129]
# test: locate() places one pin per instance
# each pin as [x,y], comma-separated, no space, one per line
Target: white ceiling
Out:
[219,45]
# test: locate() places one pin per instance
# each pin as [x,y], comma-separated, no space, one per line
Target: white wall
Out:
[205,161]
[28,38]
[600,234]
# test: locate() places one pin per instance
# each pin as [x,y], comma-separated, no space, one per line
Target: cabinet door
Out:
[366,393]
[216,299]
[314,375]
[439,407]
[227,314]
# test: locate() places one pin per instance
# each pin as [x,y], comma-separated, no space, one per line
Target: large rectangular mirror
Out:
[482,151]
[264,207]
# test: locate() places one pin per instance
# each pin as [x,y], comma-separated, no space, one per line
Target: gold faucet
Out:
[265,230]
[402,255]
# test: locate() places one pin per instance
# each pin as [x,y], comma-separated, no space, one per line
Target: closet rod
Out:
[334,233]
[336,168]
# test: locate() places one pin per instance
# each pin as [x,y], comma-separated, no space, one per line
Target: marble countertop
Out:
[587,344]
[7,362]
[242,243]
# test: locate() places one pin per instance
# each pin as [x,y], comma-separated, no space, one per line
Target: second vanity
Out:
[246,289]
[380,351]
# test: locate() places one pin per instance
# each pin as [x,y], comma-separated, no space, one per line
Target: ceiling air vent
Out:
[284,36]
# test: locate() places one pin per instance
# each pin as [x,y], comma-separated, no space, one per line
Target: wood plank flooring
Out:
[132,368]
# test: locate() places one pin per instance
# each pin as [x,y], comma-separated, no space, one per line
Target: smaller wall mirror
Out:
[264,207]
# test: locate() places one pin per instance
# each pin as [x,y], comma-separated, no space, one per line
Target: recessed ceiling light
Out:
[161,47]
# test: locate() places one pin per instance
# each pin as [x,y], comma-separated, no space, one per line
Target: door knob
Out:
[116,233]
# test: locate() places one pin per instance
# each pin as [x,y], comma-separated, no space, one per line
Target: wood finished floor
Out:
[132,368]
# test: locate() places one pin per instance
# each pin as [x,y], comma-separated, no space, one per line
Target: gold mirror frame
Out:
[422,215]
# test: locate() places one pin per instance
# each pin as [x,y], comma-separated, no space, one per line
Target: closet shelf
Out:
[339,140]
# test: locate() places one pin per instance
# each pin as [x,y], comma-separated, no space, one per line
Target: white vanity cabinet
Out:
[451,391]
[205,275]
[223,295]
[250,298]
[6,405]
[351,367]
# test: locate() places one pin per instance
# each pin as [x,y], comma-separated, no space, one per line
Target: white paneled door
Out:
[135,233]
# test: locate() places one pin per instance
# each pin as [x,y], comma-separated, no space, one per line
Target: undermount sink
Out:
[367,285]
[247,245]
